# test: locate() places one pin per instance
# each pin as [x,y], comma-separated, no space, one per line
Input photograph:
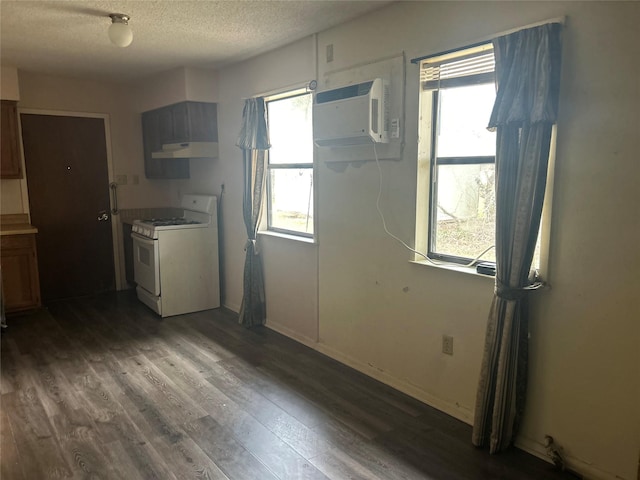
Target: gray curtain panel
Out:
[254,142]
[527,77]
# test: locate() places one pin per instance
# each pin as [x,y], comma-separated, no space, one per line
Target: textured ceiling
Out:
[70,37]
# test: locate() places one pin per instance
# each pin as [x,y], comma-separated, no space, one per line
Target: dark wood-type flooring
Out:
[100,387]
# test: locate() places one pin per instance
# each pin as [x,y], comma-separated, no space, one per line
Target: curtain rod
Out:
[489,38]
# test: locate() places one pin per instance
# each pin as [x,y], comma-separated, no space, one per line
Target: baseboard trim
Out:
[580,467]
[292,334]
[450,408]
[233,307]
[575,465]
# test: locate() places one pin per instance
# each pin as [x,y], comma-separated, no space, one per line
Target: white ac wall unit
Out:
[352,115]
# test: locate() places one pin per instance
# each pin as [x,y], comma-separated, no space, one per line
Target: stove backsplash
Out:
[128,215]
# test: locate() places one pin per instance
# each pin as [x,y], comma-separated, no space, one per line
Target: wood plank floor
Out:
[101,388]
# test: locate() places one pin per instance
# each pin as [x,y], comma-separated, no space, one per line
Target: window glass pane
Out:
[291,199]
[290,131]
[465,211]
[535,262]
[463,119]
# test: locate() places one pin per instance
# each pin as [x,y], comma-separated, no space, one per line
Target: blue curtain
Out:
[527,78]
[254,142]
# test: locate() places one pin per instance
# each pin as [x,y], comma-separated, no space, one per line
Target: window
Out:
[457,156]
[290,164]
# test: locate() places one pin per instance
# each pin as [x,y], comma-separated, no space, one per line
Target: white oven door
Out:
[146,267]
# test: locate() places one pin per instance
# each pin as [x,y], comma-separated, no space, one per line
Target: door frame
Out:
[115,237]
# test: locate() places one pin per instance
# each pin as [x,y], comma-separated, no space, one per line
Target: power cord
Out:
[384,225]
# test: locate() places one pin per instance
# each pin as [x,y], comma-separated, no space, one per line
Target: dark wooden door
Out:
[67,176]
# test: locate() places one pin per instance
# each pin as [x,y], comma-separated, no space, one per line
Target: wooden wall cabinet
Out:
[11,166]
[178,123]
[20,280]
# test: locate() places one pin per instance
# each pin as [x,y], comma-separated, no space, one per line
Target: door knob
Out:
[103,216]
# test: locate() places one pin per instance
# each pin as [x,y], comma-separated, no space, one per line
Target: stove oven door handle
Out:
[143,240]
[114,194]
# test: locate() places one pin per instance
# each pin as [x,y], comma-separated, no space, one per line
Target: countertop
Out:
[16,224]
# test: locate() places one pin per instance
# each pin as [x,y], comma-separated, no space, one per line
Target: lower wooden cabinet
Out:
[20,280]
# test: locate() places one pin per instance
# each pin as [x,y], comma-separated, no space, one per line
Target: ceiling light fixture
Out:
[120,32]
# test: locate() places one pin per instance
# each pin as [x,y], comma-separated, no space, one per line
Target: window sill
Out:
[455,268]
[470,271]
[295,238]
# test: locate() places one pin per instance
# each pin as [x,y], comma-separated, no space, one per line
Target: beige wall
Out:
[201,85]
[9,87]
[356,289]
[165,88]
[61,94]
[123,105]
[295,64]
[386,316]
[11,198]
[173,86]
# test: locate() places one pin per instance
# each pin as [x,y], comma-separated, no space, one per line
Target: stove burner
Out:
[163,222]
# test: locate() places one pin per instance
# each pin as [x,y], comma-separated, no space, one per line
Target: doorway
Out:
[66,160]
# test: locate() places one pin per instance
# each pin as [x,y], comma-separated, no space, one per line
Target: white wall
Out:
[386,316]
[290,65]
[291,287]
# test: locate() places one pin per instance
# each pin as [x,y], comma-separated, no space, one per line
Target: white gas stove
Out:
[176,259]
[198,213]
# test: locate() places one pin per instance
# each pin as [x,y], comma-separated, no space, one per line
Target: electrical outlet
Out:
[447,344]
[121,179]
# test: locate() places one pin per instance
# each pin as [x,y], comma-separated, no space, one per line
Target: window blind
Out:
[474,65]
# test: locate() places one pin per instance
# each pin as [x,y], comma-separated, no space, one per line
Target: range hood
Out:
[188,150]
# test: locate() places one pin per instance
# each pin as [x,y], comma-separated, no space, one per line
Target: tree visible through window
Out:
[290,166]
[463,193]
[457,96]
[456,201]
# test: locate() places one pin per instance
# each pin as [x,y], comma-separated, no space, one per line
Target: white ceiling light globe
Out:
[120,32]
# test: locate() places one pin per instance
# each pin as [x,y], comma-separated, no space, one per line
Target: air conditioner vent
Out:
[351,115]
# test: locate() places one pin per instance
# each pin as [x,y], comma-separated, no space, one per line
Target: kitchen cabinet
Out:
[178,123]
[20,281]
[11,166]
